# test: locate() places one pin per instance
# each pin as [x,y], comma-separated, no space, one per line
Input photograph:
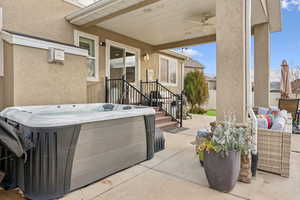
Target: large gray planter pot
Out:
[222,172]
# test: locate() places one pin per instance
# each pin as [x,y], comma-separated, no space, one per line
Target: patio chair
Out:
[291,106]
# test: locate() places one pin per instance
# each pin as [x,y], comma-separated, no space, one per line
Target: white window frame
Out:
[159,70]
[77,35]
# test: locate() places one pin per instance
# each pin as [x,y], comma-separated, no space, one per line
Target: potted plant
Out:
[221,154]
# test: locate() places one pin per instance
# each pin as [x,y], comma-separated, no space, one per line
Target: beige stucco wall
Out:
[36,82]
[96,90]
[231,59]
[262,65]
[1,93]
[153,64]
[44,18]
[6,82]
[47,20]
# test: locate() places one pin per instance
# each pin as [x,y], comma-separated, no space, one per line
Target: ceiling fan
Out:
[206,19]
[202,23]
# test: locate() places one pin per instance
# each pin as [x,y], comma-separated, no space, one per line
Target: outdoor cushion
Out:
[283,113]
[262,123]
[268,118]
[278,124]
[263,111]
[274,109]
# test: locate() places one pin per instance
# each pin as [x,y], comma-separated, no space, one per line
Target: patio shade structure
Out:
[285,84]
[166,24]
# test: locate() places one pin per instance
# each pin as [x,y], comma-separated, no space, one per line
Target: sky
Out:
[283,45]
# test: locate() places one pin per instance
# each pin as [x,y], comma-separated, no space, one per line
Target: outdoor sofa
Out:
[274,148]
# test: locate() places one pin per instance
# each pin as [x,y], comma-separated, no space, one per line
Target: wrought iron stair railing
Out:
[164,98]
[120,91]
[151,93]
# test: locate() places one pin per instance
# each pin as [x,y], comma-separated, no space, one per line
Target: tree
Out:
[196,88]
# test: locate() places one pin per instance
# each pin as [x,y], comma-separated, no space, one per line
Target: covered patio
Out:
[167,24]
[175,174]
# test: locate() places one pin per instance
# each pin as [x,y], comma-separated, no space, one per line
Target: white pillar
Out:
[233,17]
[262,65]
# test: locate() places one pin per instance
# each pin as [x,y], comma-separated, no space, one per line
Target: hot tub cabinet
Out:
[75,145]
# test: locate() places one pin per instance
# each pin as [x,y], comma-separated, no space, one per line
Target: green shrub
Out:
[196,88]
[197,110]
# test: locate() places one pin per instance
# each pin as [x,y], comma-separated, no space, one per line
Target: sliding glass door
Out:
[122,63]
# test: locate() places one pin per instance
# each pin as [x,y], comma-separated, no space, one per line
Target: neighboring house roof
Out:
[191,63]
[174,54]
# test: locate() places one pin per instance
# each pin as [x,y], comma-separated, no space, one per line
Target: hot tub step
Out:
[157,109]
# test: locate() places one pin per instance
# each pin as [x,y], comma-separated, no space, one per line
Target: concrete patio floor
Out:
[175,174]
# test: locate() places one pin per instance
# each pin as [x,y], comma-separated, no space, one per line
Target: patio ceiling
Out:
[160,23]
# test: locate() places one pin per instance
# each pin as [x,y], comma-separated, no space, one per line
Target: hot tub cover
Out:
[64,115]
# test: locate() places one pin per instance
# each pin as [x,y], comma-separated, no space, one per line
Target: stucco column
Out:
[232,49]
[262,65]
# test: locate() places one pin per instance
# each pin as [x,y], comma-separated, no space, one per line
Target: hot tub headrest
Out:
[127,107]
[108,107]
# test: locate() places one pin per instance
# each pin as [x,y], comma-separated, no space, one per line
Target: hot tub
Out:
[75,145]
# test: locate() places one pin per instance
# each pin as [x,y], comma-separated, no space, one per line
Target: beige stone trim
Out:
[188,42]
[41,44]
[75,3]
[264,5]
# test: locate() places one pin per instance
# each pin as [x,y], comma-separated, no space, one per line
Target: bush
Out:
[197,110]
[196,88]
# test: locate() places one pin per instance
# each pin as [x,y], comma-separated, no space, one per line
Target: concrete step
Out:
[160,114]
[157,109]
[167,126]
[162,119]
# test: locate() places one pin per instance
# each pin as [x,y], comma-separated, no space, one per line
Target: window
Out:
[90,43]
[168,70]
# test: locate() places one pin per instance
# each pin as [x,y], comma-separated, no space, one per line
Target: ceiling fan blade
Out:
[193,21]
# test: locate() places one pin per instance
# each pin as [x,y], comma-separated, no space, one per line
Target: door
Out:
[123,63]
